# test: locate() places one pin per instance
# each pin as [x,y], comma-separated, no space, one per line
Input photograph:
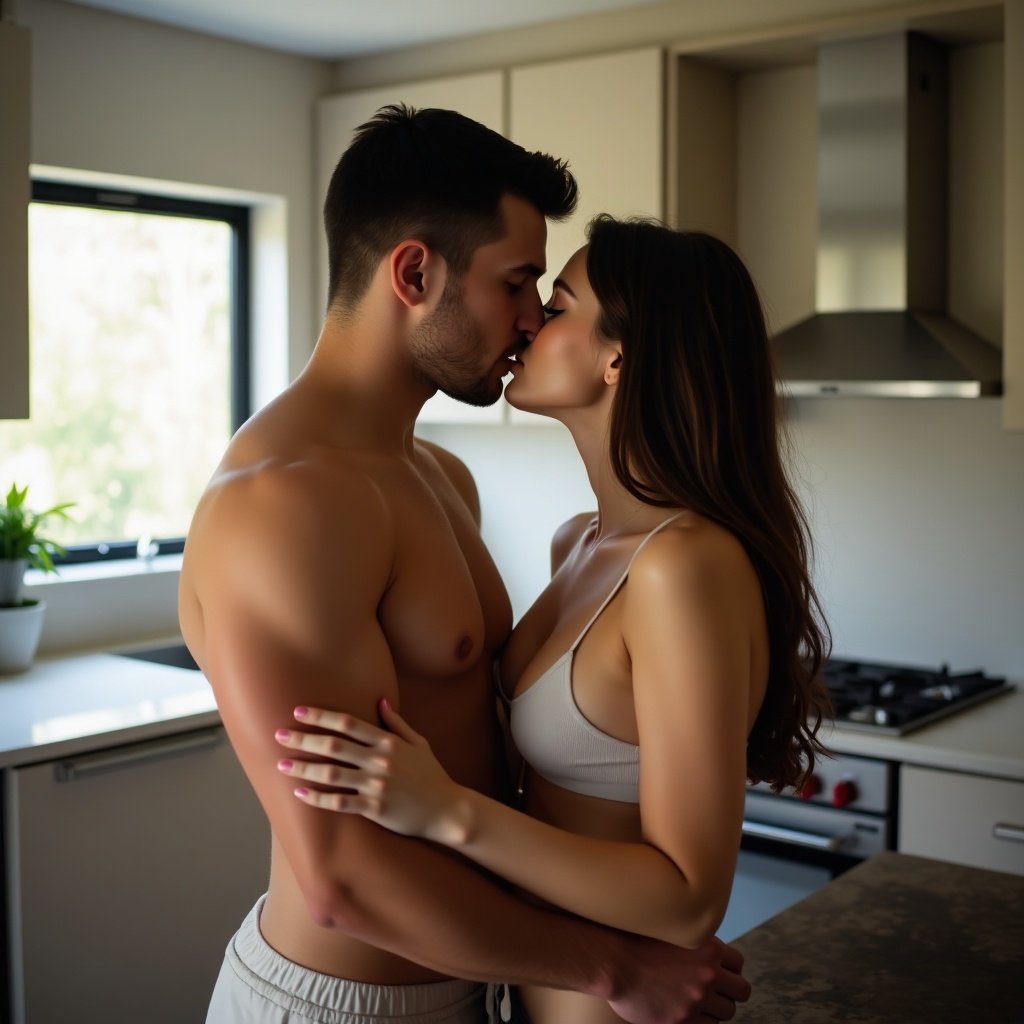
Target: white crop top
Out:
[559,743]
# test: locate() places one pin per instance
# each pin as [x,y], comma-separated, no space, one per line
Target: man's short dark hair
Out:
[430,174]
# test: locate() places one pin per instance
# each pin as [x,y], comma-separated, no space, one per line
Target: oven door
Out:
[789,850]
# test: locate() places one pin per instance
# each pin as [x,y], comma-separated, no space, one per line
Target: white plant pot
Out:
[12,579]
[20,629]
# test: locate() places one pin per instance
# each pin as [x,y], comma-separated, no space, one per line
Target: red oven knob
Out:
[810,788]
[844,793]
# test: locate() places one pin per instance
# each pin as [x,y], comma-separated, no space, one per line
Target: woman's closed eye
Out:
[551,311]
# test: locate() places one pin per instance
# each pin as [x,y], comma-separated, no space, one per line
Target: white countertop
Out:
[71,704]
[67,705]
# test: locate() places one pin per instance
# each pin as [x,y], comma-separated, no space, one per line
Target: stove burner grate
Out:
[897,699]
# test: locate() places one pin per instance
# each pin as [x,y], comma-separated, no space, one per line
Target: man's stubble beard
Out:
[445,351]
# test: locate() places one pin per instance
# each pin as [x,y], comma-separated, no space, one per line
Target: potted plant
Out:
[21,547]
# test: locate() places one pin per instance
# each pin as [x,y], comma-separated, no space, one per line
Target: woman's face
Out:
[564,367]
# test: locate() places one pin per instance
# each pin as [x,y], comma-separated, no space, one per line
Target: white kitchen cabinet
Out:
[606,116]
[480,97]
[128,871]
[968,819]
[14,197]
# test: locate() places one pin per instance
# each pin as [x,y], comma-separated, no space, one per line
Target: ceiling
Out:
[334,29]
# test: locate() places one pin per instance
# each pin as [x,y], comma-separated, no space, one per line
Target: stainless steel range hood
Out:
[880,326]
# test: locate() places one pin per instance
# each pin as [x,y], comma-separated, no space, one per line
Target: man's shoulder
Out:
[456,472]
[284,516]
[452,465]
[304,489]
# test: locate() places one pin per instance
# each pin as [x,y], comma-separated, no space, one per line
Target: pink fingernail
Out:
[385,703]
[302,791]
[282,734]
[301,712]
[285,765]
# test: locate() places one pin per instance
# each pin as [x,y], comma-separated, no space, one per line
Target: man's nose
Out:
[531,317]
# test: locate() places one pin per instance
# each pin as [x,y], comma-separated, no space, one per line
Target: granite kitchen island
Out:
[896,940]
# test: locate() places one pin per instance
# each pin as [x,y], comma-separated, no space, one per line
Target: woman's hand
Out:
[391,778]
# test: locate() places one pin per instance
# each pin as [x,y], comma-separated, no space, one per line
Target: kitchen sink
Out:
[175,655]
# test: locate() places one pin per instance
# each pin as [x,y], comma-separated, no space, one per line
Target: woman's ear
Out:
[613,363]
[417,272]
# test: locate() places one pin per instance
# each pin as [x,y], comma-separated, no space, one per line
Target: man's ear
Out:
[417,272]
[612,362]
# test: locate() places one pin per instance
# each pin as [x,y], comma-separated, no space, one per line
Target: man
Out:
[336,560]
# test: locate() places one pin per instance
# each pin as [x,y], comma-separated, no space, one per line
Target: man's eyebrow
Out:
[530,269]
[559,282]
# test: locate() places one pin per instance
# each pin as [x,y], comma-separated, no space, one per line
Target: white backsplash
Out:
[917,508]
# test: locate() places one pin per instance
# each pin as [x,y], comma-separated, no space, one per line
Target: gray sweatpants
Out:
[257,985]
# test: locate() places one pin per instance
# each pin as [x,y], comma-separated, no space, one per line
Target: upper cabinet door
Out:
[15,192]
[606,116]
[480,97]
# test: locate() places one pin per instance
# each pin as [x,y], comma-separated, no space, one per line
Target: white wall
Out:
[917,510]
[113,95]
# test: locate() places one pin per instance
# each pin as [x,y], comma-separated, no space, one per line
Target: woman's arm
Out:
[690,644]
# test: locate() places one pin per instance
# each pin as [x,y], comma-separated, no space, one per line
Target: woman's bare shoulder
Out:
[693,552]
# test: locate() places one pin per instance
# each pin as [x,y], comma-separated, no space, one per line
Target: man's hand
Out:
[671,985]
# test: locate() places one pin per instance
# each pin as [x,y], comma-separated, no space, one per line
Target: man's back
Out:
[323,567]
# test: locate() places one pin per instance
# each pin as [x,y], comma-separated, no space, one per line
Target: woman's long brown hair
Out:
[694,426]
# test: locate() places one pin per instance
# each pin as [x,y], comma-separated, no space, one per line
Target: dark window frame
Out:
[238,219]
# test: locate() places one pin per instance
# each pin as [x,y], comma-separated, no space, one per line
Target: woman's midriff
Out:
[584,815]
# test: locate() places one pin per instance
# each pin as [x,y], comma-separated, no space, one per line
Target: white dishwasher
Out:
[128,870]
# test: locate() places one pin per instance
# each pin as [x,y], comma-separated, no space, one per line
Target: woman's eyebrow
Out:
[560,283]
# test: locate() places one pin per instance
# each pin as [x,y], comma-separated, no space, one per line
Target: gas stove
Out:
[897,699]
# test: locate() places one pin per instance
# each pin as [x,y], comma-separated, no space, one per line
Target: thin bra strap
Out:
[622,579]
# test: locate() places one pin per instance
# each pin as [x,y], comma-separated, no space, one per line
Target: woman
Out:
[680,630]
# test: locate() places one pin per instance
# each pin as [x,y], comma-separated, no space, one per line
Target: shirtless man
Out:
[334,559]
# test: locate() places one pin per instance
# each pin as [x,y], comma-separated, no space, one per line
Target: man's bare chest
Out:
[446,611]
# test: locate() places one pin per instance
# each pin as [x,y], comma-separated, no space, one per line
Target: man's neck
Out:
[361,373]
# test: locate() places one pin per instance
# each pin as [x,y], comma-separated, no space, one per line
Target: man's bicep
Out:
[259,678]
[289,594]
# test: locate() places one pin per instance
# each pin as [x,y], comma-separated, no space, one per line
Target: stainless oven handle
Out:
[1003,830]
[792,836]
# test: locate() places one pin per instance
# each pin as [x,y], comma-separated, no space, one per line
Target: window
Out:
[139,362]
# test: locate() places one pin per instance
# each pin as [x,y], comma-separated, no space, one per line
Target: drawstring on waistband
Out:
[502,995]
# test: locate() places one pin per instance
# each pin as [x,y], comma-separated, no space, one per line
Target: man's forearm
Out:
[430,907]
[425,905]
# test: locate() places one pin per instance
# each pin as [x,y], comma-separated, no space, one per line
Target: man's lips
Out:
[515,353]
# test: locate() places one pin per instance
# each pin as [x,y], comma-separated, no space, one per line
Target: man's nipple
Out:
[465,648]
